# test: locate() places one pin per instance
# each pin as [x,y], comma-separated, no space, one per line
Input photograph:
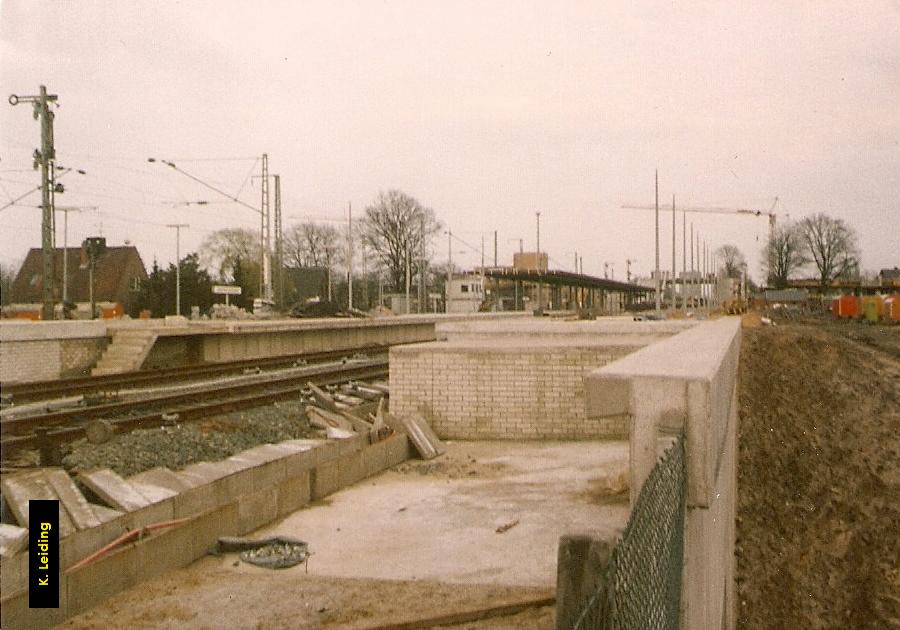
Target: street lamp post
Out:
[177,227]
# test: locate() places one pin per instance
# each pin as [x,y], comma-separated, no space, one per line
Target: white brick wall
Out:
[478,394]
[23,361]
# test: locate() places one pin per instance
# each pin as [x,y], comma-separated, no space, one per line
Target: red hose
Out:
[125,538]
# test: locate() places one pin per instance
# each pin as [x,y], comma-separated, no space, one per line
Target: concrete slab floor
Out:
[438,520]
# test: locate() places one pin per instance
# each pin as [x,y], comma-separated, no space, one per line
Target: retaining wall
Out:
[40,351]
[687,383]
[266,489]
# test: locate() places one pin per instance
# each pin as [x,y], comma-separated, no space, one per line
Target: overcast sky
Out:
[486,112]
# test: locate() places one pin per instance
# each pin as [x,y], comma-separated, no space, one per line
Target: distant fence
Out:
[641,584]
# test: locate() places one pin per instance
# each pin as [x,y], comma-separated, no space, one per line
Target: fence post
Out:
[580,569]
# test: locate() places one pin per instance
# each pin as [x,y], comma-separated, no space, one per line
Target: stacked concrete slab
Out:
[227,498]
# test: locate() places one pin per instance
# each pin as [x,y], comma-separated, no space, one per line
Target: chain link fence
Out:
[641,585]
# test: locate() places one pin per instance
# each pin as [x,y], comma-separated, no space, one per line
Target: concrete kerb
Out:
[233,501]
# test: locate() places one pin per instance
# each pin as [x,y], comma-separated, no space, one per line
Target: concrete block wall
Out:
[502,392]
[266,484]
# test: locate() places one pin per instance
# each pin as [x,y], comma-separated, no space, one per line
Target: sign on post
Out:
[226,290]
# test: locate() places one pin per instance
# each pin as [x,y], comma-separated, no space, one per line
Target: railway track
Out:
[46,390]
[44,430]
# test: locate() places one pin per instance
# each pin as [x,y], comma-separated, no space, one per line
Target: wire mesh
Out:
[641,585]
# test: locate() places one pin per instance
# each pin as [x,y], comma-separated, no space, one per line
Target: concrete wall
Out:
[504,389]
[265,489]
[39,351]
[687,383]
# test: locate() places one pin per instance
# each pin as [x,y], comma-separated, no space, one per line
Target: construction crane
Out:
[719,210]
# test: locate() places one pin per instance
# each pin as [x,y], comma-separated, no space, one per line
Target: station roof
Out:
[564,278]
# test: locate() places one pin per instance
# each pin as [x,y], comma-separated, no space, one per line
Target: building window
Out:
[135,284]
[464,288]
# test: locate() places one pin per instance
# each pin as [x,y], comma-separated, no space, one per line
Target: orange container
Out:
[848,306]
[891,310]
[836,307]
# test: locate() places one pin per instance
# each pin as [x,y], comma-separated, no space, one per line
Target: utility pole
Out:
[265,277]
[674,275]
[423,288]
[540,286]
[449,270]
[692,258]
[279,244]
[657,243]
[66,210]
[177,227]
[683,259]
[495,248]
[349,256]
[45,157]
[365,276]
[699,274]
[408,271]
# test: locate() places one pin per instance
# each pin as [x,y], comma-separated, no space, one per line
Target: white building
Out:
[465,294]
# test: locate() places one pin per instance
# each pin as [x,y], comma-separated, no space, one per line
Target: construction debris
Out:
[12,539]
[323,399]
[507,526]
[420,434]
[113,490]
[279,552]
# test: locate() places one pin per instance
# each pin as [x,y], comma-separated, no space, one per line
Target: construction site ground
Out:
[818,507]
[477,527]
[819,475]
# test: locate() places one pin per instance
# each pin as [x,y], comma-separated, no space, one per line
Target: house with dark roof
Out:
[119,273]
[889,277]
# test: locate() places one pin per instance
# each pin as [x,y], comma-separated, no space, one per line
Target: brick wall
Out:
[23,361]
[47,359]
[529,393]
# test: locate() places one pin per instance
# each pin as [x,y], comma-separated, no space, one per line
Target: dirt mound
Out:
[819,477]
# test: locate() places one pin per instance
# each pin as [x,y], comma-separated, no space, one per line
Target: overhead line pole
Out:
[45,156]
[683,260]
[265,278]
[279,244]
[177,227]
[349,256]
[658,297]
[674,302]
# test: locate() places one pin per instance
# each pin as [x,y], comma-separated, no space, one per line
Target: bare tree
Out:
[831,245]
[783,255]
[8,272]
[394,228]
[312,245]
[222,249]
[733,260]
